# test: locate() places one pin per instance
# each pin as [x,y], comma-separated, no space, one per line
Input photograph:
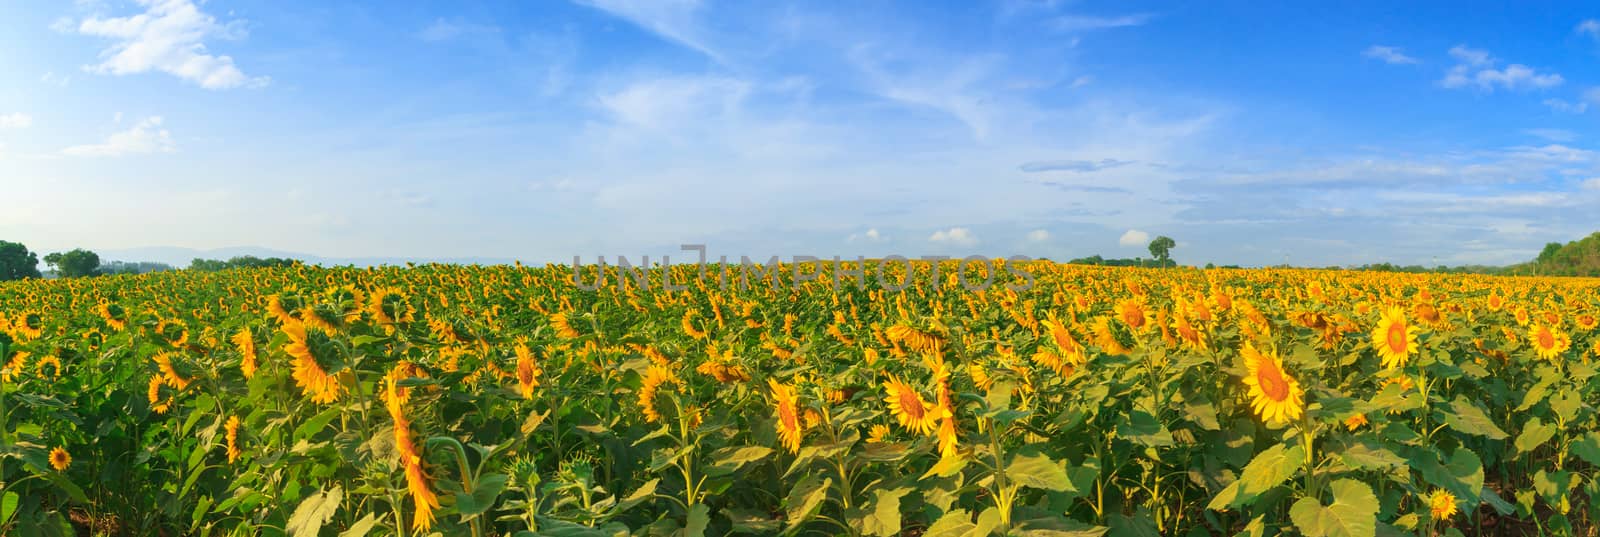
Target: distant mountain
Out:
[180,257]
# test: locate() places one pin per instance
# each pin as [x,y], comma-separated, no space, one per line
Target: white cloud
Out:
[1592,184]
[1134,237]
[955,235]
[54,79]
[1476,68]
[1389,55]
[445,30]
[168,37]
[1554,135]
[1038,235]
[1470,56]
[145,137]
[1560,105]
[670,19]
[15,120]
[870,235]
[1589,26]
[1079,23]
[669,102]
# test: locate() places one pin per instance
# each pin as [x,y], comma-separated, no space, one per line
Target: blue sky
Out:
[1252,133]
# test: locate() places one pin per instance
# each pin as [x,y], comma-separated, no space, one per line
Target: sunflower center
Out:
[790,420]
[1547,340]
[1397,338]
[1272,383]
[910,404]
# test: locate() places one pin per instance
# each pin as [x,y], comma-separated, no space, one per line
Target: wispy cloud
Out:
[1554,135]
[1072,165]
[1082,23]
[145,137]
[1562,105]
[1039,235]
[169,36]
[1389,55]
[870,235]
[15,120]
[1589,27]
[446,30]
[1476,68]
[673,20]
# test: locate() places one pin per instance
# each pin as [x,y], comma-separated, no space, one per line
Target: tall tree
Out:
[16,262]
[1161,249]
[74,264]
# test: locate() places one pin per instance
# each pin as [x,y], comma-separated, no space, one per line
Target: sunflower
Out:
[169,374]
[1133,313]
[29,325]
[114,316]
[1548,342]
[1275,395]
[790,427]
[878,434]
[60,459]
[559,323]
[1394,338]
[654,378]
[233,438]
[53,362]
[390,306]
[1441,504]
[14,366]
[1112,336]
[157,403]
[1062,338]
[423,499]
[1496,302]
[1355,422]
[246,344]
[528,371]
[914,414]
[1586,321]
[173,332]
[305,345]
[915,339]
[1192,337]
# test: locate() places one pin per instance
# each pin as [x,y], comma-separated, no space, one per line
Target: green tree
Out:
[16,262]
[1161,249]
[1549,253]
[74,264]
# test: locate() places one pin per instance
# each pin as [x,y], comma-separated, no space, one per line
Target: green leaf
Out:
[1354,512]
[8,507]
[316,424]
[363,526]
[1588,448]
[806,496]
[750,521]
[884,518]
[1038,471]
[1466,417]
[484,493]
[1369,457]
[1462,476]
[699,518]
[729,459]
[1143,428]
[1268,469]
[1534,434]
[315,511]
[956,523]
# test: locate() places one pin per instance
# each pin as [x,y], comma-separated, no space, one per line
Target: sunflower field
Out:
[506,400]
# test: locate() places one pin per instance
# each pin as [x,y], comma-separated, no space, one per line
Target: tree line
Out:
[17,262]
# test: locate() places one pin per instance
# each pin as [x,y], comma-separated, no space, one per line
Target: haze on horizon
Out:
[1253,134]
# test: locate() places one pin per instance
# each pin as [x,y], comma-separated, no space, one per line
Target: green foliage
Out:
[16,262]
[240,262]
[78,263]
